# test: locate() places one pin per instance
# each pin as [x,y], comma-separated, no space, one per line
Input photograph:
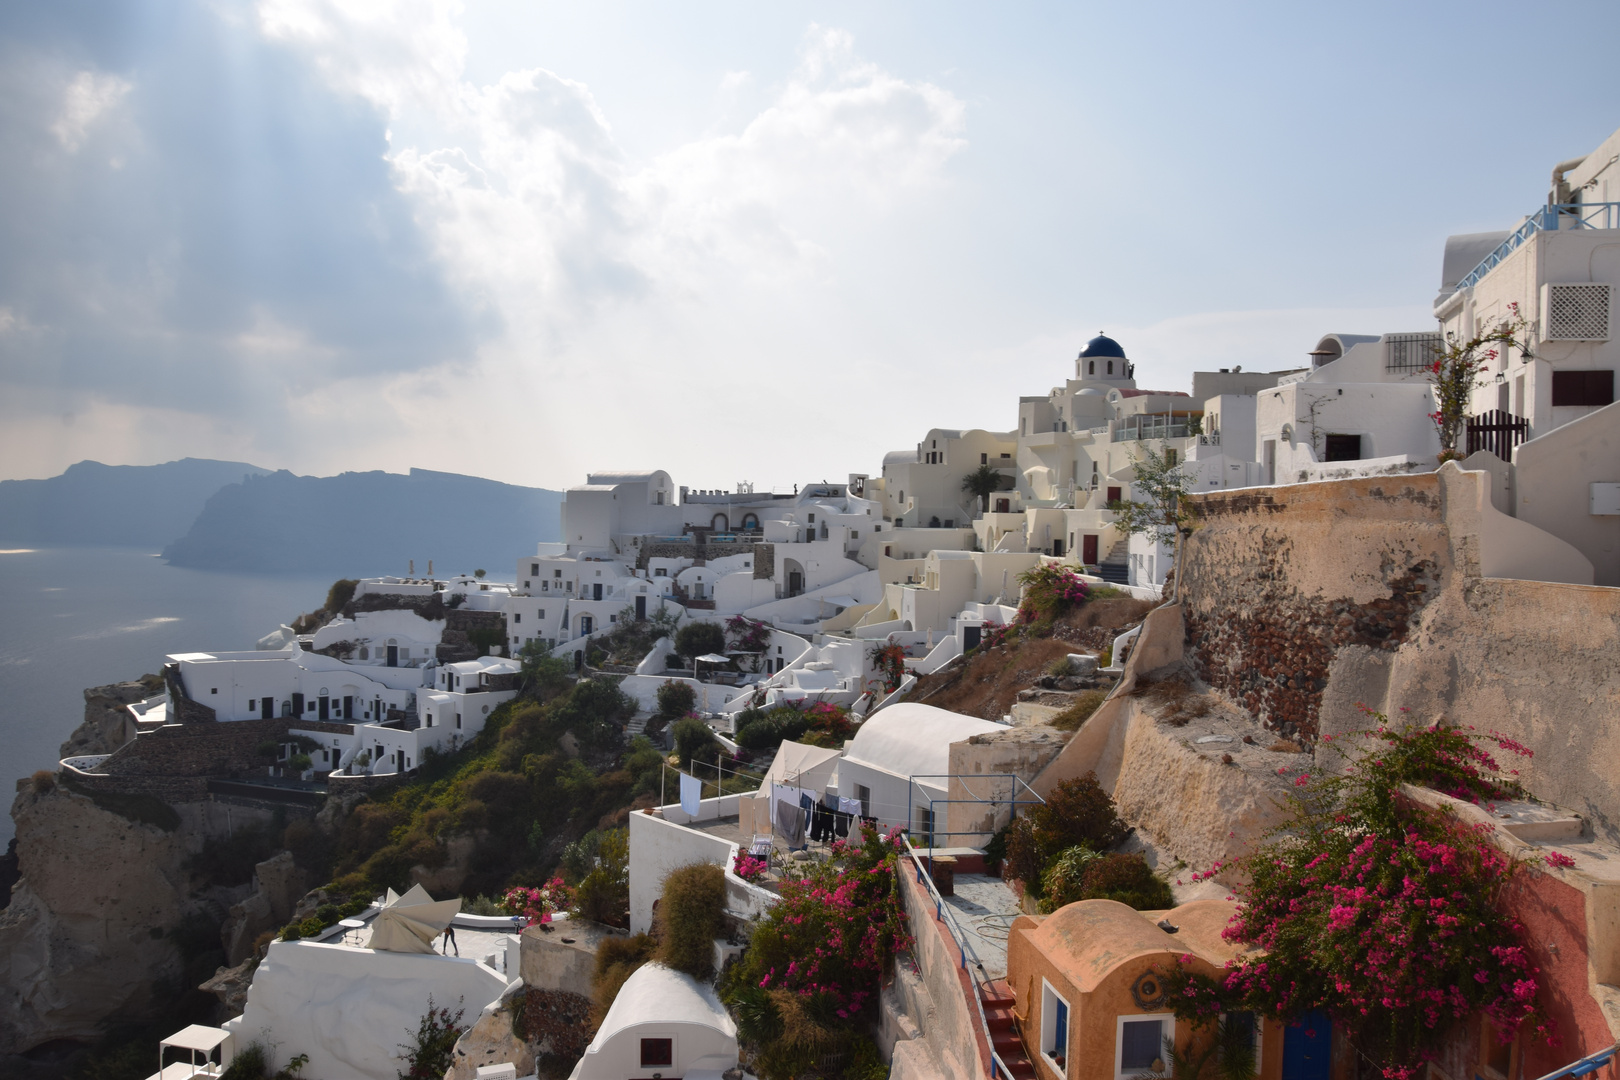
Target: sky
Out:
[737,241]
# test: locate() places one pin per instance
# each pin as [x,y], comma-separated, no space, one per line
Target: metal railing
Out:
[1147,426]
[1551,218]
[946,915]
[1411,353]
[1012,802]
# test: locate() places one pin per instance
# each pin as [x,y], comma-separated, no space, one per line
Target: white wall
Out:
[350,1008]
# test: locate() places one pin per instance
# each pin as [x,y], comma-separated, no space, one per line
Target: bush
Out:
[44,782]
[1078,713]
[341,592]
[604,894]
[694,741]
[617,958]
[428,1056]
[1077,812]
[759,730]
[691,917]
[675,699]
[248,1064]
[698,638]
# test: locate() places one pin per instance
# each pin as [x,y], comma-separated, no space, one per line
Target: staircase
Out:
[997,997]
[1116,569]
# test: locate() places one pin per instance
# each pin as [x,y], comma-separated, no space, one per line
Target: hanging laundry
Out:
[841,825]
[691,794]
[849,806]
[821,823]
[787,821]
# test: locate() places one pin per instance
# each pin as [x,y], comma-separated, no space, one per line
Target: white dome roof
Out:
[914,740]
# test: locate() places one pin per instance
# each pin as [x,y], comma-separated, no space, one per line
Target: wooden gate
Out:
[1497,431]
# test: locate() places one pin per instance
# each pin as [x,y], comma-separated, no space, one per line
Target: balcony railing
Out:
[1409,354]
[1150,427]
[1551,218]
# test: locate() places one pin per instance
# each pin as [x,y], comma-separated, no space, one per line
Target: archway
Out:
[720,523]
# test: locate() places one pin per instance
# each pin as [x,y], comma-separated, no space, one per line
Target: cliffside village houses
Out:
[905,556]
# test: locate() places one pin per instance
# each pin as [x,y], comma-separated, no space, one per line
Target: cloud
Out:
[88,96]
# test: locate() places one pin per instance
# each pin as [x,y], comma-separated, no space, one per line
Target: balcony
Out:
[1557,217]
[1149,427]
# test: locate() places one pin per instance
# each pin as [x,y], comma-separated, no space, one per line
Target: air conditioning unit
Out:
[1577,312]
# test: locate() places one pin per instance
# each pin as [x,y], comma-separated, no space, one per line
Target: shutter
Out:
[1575,312]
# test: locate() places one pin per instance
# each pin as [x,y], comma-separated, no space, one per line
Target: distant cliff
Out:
[113,505]
[368,523]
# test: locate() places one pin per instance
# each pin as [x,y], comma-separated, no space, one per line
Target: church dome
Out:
[1102,345]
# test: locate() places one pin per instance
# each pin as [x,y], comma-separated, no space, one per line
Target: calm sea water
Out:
[77,617]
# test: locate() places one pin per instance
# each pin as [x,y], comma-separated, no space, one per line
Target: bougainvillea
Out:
[1049,591]
[890,661]
[750,635]
[834,931]
[749,868]
[536,905]
[1380,911]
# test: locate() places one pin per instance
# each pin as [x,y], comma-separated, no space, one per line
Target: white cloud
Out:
[85,100]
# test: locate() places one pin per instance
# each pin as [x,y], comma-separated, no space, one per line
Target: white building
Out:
[663,1022]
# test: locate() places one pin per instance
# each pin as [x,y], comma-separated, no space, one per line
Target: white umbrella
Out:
[409,923]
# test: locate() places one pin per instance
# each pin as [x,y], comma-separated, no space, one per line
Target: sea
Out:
[77,617]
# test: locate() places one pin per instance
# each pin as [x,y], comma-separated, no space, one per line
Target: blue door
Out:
[1308,1048]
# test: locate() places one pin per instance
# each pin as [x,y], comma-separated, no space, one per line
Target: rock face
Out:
[491,1041]
[107,724]
[277,885]
[89,935]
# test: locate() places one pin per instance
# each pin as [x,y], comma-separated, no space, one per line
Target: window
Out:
[661,572]
[542,614]
[1170,455]
[534,569]
[1139,1044]
[1091,367]
[1110,367]
[215,690]
[984,459]
[1054,1028]
[862,793]
[517,617]
[1582,388]
[1344,447]
[1498,1060]
[556,573]
[657,1052]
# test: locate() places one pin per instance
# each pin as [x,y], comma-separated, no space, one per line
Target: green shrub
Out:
[1077,812]
[698,638]
[248,1064]
[759,731]
[675,699]
[604,894]
[691,916]
[694,741]
[1128,878]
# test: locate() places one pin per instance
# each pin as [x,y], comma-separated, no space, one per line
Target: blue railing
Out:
[1547,219]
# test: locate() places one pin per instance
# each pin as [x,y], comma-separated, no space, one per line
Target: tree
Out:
[692,915]
[700,638]
[1458,370]
[544,676]
[1161,483]
[478,574]
[982,482]
[675,700]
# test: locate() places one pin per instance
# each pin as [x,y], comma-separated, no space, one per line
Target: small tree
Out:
[1161,483]
[982,483]
[1458,370]
[544,676]
[694,742]
[478,574]
[428,1056]
[698,638]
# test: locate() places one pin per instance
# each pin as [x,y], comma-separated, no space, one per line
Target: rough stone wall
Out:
[1268,580]
[190,752]
[1276,582]
[429,607]
[764,561]
[107,723]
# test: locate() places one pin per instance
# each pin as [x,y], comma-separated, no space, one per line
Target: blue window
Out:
[1141,1044]
[1060,1026]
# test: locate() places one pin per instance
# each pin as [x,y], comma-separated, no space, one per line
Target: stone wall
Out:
[1303,603]
[764,561]
[174,761]
[429,607]
[107,721]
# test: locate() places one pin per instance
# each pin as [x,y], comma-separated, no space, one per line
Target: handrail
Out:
[943,913]
[1589,1063]
[1013,801]
[1550,218]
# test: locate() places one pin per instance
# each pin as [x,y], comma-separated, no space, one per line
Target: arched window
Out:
[1092,365]
[1110,367]
[719,523]
[750,521]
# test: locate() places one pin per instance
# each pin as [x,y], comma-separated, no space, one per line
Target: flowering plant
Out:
[1382,912]
[536,905]
[1049,591]
[751,634]
[1458,370]
[890,660]
[834,931]
[749,868]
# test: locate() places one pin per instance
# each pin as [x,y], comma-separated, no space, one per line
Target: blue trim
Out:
[1546,219]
